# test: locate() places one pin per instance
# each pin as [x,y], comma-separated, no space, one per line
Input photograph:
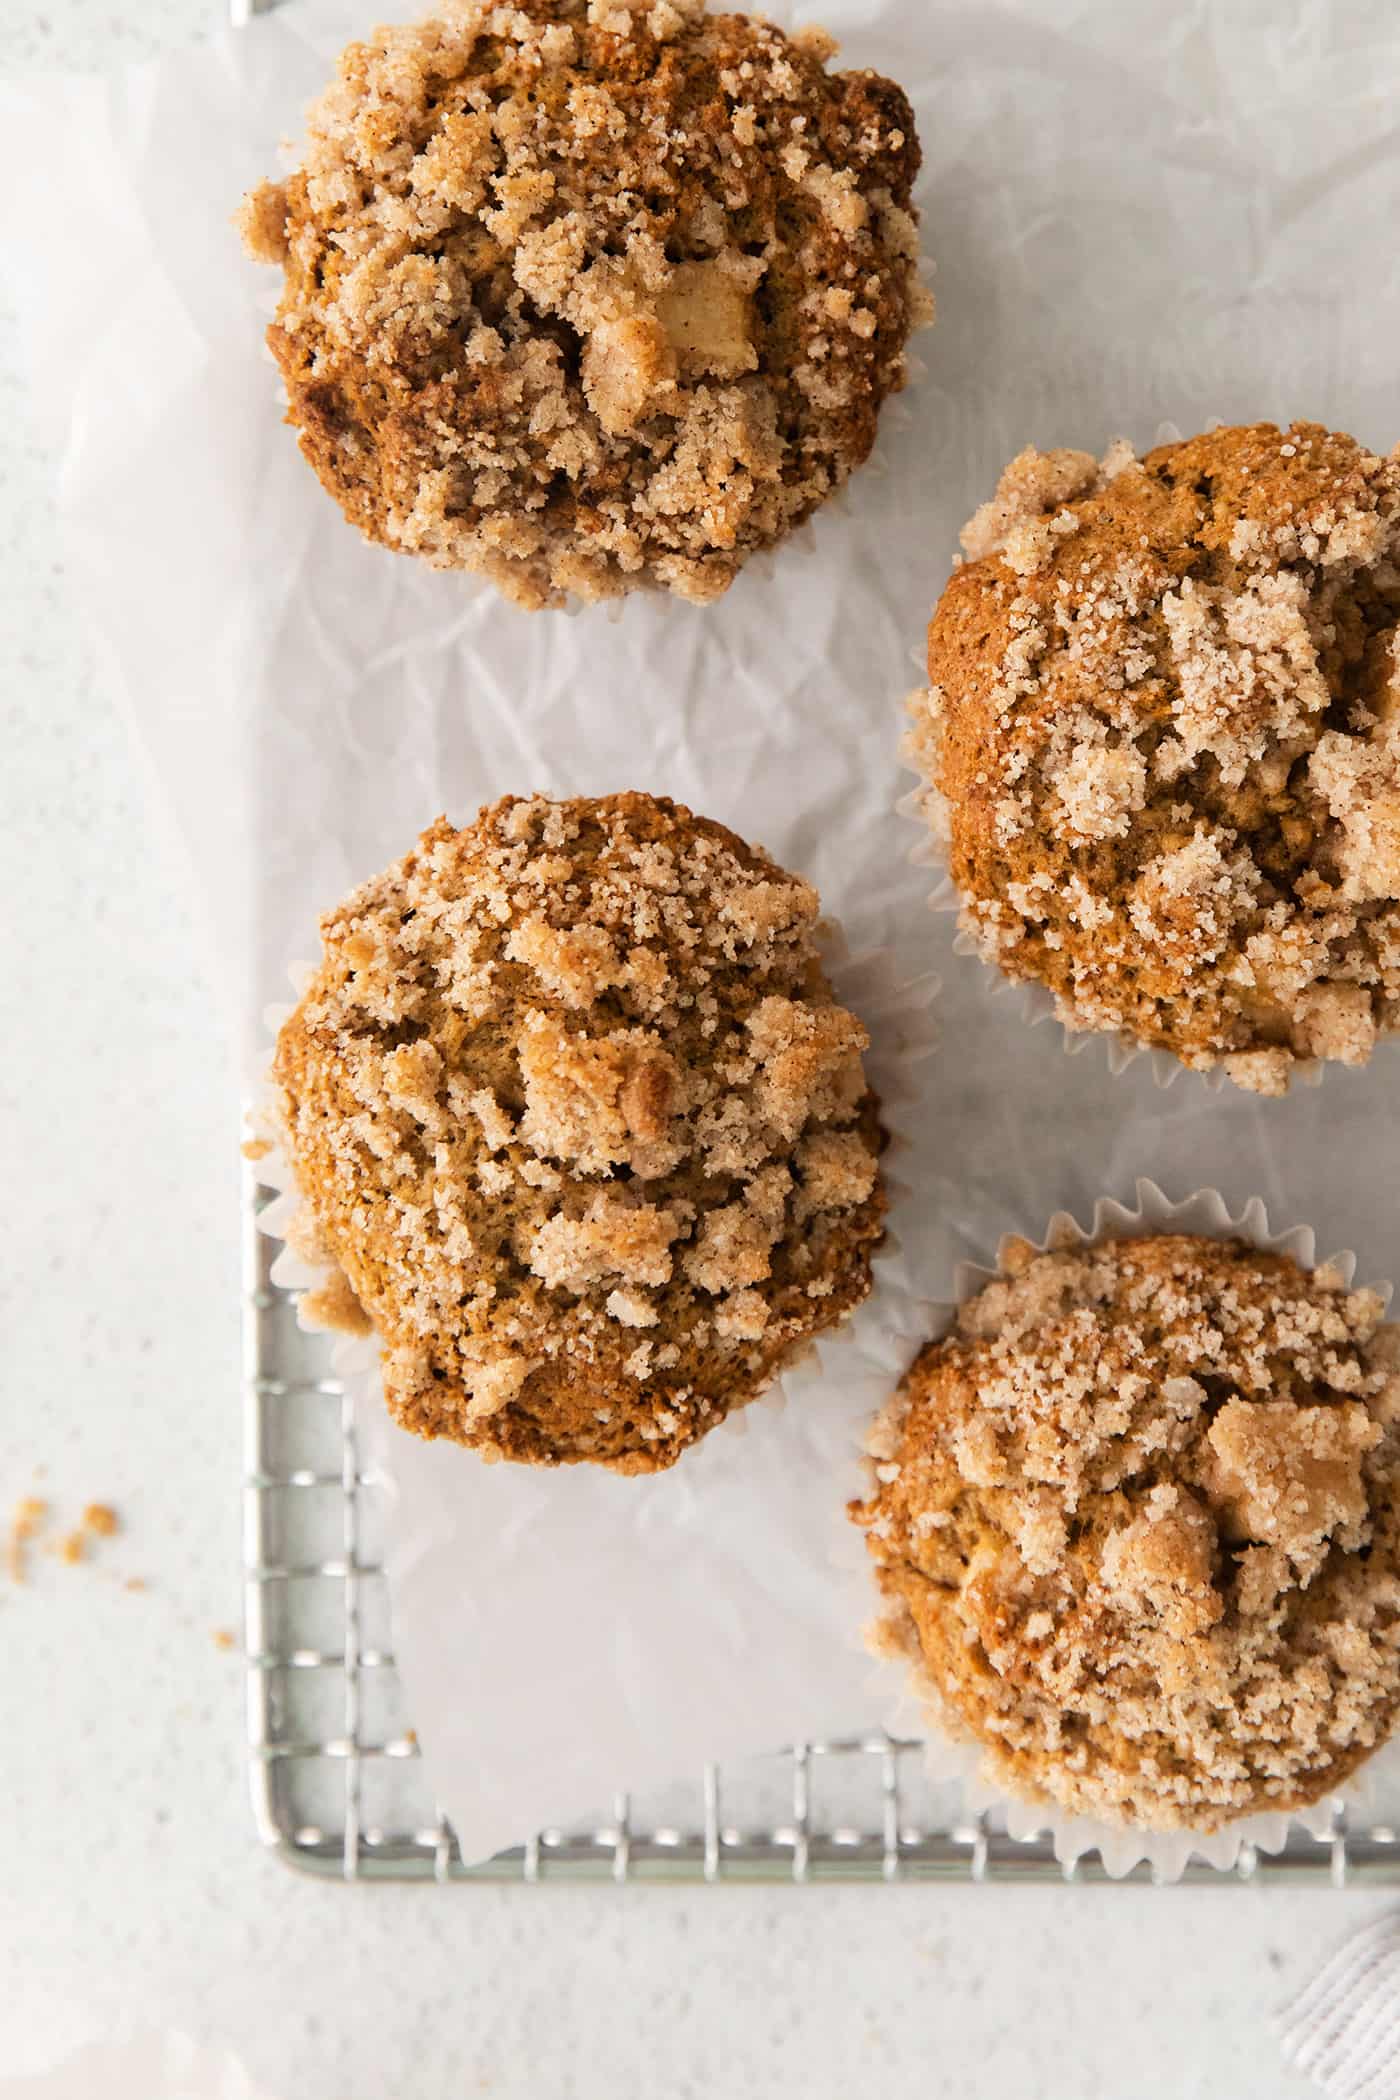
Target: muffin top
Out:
[592,294]
[575,1116]
[1163,743]
[1137,1518]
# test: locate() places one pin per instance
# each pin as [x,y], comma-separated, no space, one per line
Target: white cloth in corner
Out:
[149,2067]
[1344,2031]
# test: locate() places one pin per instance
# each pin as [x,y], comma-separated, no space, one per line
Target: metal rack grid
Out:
[338,1784]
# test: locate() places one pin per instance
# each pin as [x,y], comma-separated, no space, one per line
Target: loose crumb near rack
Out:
[30,1520]
[26,1523]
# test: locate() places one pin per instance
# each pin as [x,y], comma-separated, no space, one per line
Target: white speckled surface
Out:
[131,1891]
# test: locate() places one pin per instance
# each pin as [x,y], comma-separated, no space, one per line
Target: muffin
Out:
[592,295]
[580,1129]
[1162,742]
[1136,1524]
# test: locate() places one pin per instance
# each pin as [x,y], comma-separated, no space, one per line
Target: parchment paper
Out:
[1138,213]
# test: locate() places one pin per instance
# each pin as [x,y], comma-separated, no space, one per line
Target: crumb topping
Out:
[589,297]
[1162,743]
[581,1128]
[1137,1519]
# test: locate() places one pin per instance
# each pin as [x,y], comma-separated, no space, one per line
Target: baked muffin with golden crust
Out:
[1162,738]
[589,295]
[581,1128]
[1136,1523]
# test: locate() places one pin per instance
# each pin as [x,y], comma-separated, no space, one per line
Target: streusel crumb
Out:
[1137,1520]
[1162,742]
[582,1129]
[588,295]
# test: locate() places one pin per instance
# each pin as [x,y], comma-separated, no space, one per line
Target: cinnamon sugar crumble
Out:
[1162,743]
[559,284]
[581,1129]
[1137,1520]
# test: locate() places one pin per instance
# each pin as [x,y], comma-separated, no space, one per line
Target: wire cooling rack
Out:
[338,1784]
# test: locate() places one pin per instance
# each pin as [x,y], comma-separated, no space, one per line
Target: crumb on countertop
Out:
[31,1517]
[27,1520]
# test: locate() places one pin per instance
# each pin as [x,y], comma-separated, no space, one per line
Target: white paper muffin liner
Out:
[910,1701]
[900,1019]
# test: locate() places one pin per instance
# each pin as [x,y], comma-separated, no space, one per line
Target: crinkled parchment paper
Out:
[1138,213]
